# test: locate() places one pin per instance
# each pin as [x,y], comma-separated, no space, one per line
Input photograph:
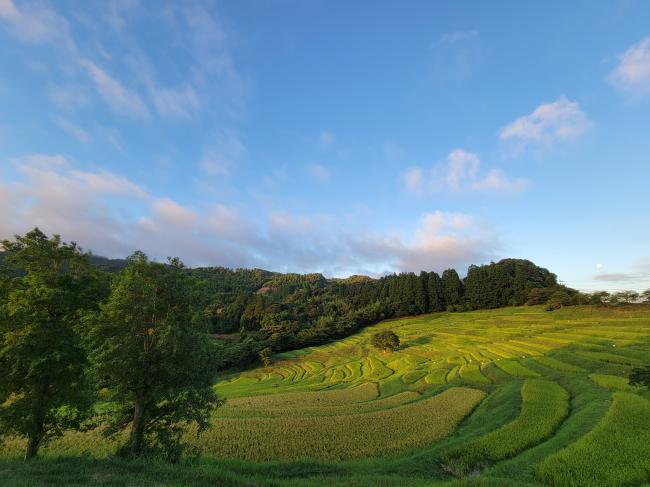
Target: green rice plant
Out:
[614,382]
[610,357]
[544,406]
[514,368]
[615,453]
[242,409]
[436,377]
[413,376]
[375,433]
[453,373]
[472,373]
[557,364]
[364,392]
[377,370]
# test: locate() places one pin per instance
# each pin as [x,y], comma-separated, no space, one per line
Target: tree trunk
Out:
[33,442]
[137,428]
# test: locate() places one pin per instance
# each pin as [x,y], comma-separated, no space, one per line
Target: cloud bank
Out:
[91,208]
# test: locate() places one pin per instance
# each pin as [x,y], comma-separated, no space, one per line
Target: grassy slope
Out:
[580,353]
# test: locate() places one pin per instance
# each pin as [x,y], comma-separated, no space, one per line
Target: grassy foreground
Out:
[514,396]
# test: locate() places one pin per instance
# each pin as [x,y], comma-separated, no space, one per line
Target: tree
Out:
[436,296]
[599,297]
[627,296]
[385,340]
[557,300]
[452,288]
[539,295]
[265,356]
[153,356]
[646,296]
[46,287]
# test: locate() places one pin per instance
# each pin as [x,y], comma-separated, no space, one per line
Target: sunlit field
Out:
[515,396]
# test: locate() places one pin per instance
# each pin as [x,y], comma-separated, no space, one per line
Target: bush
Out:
[557,300]
[385,340]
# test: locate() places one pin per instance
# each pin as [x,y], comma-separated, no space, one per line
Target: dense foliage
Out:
[385,340]
[152,357]
[43,387]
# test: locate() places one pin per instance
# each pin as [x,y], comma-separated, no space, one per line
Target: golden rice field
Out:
[515,396]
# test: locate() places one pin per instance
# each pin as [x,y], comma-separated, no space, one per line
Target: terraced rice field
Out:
[514,396]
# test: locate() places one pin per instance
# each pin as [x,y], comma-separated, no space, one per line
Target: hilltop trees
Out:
[45,288]
[152,356]
[510,282]
[436,294]
[452,288]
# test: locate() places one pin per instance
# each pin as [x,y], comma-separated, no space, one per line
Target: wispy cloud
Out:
[222,154]
[69,97]
[326,139]
[457,55]
[460,174]
[550,123]
[319,172]
[73,130]
[119,98]
[35,23]
[632,75]
[638,277]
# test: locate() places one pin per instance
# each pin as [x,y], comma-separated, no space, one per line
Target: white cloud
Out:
[222,154]
[169,212]
[114,216]
[73,130]
[632,75]
[35,23]
[175,103]
[117,96]
[109,183]
[413,179]
[459,173]
[549,123]
[319,173]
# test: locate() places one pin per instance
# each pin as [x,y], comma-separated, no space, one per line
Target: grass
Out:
[615,453]
[523,396]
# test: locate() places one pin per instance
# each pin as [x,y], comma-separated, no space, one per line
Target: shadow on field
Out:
[111,472]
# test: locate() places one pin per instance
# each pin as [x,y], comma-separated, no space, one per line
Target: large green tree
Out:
[153,356]
[45,287]
[452,287]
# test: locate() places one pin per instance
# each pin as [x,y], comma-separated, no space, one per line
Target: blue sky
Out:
[338,137]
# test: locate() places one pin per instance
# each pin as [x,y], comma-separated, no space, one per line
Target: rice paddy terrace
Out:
[514,396]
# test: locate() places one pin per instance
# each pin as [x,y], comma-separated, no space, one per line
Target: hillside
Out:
[524,396]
